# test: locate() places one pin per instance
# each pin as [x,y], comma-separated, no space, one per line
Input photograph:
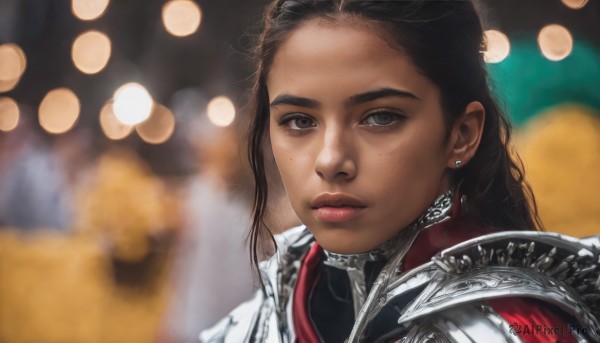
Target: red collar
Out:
[308,277]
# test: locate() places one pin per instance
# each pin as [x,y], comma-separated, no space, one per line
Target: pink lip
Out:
[336,207]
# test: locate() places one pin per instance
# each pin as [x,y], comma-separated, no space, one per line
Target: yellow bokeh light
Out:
[59,111]
[498,46]
[560,149]
[221,111]
[9,114]
[91,52]
[159,127]
[88,9]
[12,66]
[113,128]
[181,17]
[6,86]
[132,104]
[575,4]
[555,42]
[10,62]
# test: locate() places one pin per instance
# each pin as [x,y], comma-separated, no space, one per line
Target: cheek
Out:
[409,170]
[291,163]
[280,151]
[410,156]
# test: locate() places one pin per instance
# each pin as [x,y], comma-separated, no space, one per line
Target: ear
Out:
[466,135]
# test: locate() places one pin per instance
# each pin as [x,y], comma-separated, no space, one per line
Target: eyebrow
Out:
[380,93]
[287,99]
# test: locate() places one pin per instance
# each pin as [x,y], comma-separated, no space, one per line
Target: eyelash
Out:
[288,119]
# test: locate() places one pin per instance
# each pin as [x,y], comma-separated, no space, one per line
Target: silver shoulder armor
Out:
[265,318]
[557,269]
[235,327]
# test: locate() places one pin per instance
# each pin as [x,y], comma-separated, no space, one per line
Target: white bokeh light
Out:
[88,9]
[221,111]
[132,104]
[91,51]
[555,42]
[181,17]
[498,46]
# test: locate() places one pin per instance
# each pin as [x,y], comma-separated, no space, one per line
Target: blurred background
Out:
[124,189]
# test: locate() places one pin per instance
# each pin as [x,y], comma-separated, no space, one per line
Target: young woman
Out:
[394,155]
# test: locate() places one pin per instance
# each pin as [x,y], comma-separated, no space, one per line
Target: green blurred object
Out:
[527,83]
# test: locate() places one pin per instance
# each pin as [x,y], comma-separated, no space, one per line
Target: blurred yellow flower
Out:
[125,204]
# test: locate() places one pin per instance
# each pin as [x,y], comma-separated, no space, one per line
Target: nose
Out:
[336,158]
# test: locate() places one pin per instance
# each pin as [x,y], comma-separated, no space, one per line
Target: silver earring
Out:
[458,163]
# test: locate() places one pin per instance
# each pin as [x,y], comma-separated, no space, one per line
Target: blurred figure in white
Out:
[211,271]
[34,190]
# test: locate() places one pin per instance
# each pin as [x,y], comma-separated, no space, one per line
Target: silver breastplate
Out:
[397,246]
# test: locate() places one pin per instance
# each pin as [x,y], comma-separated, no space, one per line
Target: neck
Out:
[354,264]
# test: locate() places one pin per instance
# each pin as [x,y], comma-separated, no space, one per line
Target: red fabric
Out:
[307,280]
[526,314]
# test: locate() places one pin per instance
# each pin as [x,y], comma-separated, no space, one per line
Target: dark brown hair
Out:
[444,40]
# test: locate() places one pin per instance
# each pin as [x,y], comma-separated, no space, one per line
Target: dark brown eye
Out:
[298,122]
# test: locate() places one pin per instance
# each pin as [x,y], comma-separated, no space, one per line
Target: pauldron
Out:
[454,285]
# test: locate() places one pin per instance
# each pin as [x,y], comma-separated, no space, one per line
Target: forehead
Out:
[348,55]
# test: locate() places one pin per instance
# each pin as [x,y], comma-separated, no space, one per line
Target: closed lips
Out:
[336,200]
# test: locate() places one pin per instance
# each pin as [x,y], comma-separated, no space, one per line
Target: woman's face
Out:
[357,133]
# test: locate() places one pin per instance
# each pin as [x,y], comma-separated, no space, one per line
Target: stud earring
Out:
[458,163]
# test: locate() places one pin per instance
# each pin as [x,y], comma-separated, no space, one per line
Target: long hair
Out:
[444,39]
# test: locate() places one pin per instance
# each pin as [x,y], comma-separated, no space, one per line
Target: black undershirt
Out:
[331,309]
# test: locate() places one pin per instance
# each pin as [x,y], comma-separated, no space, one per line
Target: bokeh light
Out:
[560,148]
[59,111]
[6,86]
[575,4]
[132,104]
[555,42]
[9,114]
[181,17]
[12,66]
[159,127]
[91,52]
[498,46]
[111,126]
[221,111]
[88,9]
